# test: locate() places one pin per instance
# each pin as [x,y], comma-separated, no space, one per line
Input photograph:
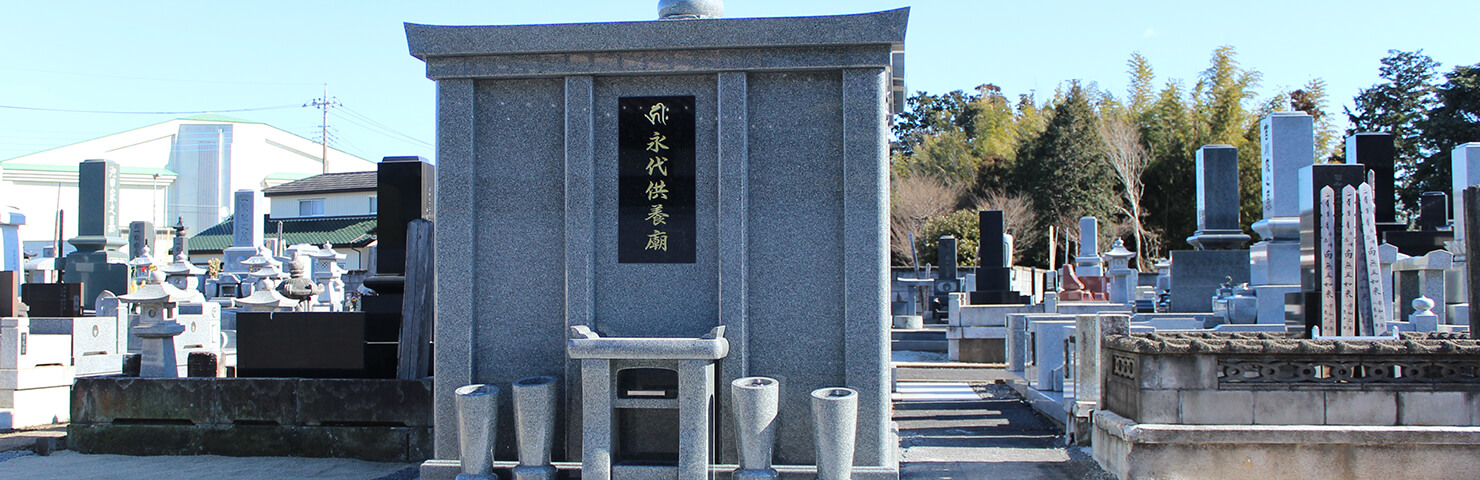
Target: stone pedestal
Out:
[1197,274]
[610,449]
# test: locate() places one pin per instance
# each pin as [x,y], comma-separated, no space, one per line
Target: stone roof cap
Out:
[887,27]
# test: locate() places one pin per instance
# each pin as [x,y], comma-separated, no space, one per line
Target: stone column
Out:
[1464,171]
[1287,142]
[1217,200]
[1087,264]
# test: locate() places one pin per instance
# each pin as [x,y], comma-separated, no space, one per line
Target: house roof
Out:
[346,231]
[326,183]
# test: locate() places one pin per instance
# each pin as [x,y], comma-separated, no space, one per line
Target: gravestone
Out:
[1464,171]
[538,222]
[52,299]
[1197,274]
[994,275]
[1287,143]
[140,237]
[947,280]
[10,293]
[246,232]
[1328,267]
[97,264]
[1433,214]
[11,256]
[405,188]
[1088,260]
[1375,151]
[1217,200]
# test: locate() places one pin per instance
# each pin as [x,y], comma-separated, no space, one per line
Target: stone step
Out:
[920,345]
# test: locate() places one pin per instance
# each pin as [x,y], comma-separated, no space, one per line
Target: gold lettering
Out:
[658,114]
[658,163]
[657,189]
[658,240]
[657,216]
[655,142]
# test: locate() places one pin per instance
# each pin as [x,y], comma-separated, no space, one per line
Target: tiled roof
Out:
[326,183]
[346,231]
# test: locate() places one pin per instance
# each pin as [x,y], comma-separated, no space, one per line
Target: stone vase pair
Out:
[534,428]
[834,420]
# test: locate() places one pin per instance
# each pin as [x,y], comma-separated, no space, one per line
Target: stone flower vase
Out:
[834,427]
[477,424]
[534,426]
[756,401]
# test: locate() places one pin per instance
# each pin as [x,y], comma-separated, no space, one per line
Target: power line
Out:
[156,79]
[116,112]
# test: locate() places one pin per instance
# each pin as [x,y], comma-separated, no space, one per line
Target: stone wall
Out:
[1272,379]
[376,420]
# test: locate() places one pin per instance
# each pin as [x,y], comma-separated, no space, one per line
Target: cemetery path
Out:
[954,430]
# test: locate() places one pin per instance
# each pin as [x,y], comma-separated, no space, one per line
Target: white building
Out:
[185,168]
[333,208]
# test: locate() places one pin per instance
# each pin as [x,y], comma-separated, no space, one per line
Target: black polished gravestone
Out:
[53,300]
[406,190]
[1433,214]
[947,280]
[1375,151]
[310,345]
[1312,179]
[994,277]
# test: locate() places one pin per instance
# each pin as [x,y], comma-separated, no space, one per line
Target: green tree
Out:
[1396,105]
[1455,120]
[962,224]
[1312,100]
[1063,170]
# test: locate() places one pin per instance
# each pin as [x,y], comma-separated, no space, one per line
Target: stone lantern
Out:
[153,306]
[328,274]
[266,271]
[139,269]
[1122,277]
[183,274]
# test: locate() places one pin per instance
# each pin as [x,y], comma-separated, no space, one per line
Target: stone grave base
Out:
[1131,450]
[978,350]
[368,419]
[34,396]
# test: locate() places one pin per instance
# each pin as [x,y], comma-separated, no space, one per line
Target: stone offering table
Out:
[665,374]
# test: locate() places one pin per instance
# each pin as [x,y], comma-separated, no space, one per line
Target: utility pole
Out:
[324,103]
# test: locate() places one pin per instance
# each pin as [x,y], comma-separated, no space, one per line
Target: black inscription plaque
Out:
[655,186]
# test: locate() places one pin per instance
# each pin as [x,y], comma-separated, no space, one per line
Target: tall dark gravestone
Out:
[1197,274]
[97,264]
[994,276]
[141,236]
[1316,242]
[1375,151]
[405,191]
[567,163]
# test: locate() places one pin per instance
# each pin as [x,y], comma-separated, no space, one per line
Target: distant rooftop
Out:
[326,183]
[351,231]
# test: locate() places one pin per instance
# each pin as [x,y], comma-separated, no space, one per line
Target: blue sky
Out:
[180,56]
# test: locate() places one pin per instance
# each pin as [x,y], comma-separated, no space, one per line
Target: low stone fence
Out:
[378,420]
[1267,405]
[1273,379]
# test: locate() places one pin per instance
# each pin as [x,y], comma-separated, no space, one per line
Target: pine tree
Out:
[1396,106]
[1063,170]
[1453,121]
